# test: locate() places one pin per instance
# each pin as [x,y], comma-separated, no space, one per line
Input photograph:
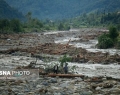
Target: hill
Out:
[59,9]
[8,12]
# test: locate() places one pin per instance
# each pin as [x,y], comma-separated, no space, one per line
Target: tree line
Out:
[30,25]
[98,18]
[10,26]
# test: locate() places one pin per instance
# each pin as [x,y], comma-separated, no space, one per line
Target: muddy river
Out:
[77,38]
[112,70]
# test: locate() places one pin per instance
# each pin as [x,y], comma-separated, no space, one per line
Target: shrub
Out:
[64,59]
[104,42]
[109,40]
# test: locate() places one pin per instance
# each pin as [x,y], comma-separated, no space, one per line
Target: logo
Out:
[19,74]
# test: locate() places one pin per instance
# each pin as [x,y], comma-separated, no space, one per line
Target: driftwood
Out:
[66,75]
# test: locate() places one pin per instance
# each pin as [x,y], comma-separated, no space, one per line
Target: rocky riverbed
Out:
[61,86]
[100,68]
[93,85]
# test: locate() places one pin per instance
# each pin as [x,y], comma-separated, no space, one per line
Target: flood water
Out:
[111,70]
[89,69]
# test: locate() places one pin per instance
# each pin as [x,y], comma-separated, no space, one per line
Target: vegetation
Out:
[104,42]
[7,12]
[10,19]
[113,33]
[96,19]
[64,59]
[37,25]
[62,9]
[30,25]
[78,15]
[10,26]
[62,26]
[118,43]
[83,16]
[109,40]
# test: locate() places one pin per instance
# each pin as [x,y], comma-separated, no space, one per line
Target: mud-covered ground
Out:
[100,67]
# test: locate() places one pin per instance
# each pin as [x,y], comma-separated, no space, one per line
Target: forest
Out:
[62,9]
[8,12]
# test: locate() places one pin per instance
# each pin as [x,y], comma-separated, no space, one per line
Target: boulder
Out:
[53,80]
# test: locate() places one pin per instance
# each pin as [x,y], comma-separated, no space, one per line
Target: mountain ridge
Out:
[7,12]
[60,9]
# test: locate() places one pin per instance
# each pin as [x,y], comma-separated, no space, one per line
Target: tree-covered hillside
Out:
[8,12]
[57,9]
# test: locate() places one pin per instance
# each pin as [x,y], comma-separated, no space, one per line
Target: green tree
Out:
[118,44]
[36,23]
[61,26]
[113,33]
[104,42]
[15,25]
[29,16]
[4,26]
[4,23]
